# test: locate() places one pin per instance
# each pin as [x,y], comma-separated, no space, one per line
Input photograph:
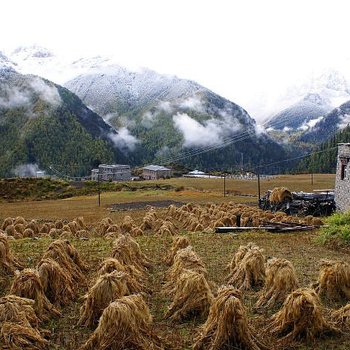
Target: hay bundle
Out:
[55,233]
[57,251]
[8,263]
[18,310]
[185,259]
[20,220]
[249,272]
[113,228]
[19,228]
[341,317]
[7,222]
[110,264]
[73,226]
[45,228]
[28,232]
[108,287]
[239,255]
[18,336]
[280,281]
[127,225]
[192,297]
[334,280]
[57,282]
[128,252]
[33,226]
[280,194]
[136,231]
[80,222]
[27,284]
[227,325]
[300,318]
[180,242]
[10,230]
[125,324]
[59,224]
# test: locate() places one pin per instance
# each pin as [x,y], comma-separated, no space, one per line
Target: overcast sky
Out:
[236,48]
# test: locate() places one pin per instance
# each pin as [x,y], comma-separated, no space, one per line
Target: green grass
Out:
[337,231]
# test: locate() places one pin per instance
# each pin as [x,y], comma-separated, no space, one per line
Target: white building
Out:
[155,172]
[111,172]
[342,180]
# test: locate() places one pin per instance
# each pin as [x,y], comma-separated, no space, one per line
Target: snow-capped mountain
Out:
[302,115]
[5,62]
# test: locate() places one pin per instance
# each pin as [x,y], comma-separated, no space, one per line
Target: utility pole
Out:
[99,189]
[224,185]
[259,190]
[241,163]
[312,179]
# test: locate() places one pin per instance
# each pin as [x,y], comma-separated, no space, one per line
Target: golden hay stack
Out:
[341,317]
[334,280]
[18,337]
[27,284]
[66,256]
[7,222]
[18,310]
[184,259]
[124,325]
[128,252]
[249,268]
[227,325]
[300,318]
[179,242]
[8,263]
[192,297]
[280,281]
[108,287]
[57,282]
[280,194]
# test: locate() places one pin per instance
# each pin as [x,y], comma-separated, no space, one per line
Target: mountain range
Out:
[143,116]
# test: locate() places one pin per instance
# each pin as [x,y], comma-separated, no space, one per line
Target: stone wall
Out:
[342,186]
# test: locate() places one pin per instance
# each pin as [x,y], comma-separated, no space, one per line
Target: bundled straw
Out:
[227,325]
[57,282]
[334,280]
[27,284]
[180,242]
[300,318]
[108,288]
[18,337]
[249,268]
[125,324]
[280,194]
[192,297]
[8,263]
[280,281]
[60,252]
[341,317]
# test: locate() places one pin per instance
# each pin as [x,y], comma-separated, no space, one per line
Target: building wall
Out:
[155,174]
[112,173]
[342,186]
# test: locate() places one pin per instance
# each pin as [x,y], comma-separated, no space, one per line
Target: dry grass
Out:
[227,325]
[247,268]
[108,287]
[341,317]
[57,282]
[125,324]
[300,318]
[27,284]
[281,280]
[180,242]
[334,280]
[8,263]
[192,297]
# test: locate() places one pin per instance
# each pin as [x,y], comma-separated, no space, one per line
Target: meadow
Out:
[303,249]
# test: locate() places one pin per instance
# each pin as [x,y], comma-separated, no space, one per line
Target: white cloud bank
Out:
[124,140]
[210,133]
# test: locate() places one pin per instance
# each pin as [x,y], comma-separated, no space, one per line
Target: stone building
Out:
[111,172]
[155,172]
[342,180]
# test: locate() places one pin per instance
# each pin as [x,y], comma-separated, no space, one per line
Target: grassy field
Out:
[216,250]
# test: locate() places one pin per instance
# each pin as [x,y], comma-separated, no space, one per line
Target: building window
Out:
[343,168]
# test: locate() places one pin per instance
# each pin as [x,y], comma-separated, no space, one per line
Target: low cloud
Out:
[344,121]
[48,93]
[307,125]
[193,103]
[14,98]
[124,140]
[211,132]
[26,170]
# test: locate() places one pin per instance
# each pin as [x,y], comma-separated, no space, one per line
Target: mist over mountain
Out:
[44,126]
